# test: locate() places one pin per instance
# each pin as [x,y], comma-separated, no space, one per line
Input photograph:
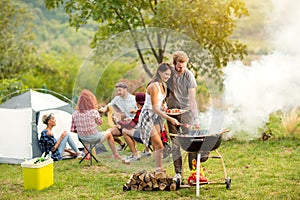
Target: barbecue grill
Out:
[202,142]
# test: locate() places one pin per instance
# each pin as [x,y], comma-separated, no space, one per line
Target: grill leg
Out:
[198,174]
[223,164]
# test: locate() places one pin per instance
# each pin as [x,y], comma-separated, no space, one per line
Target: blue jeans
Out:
[67,139]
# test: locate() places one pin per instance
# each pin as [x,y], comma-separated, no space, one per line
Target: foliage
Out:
[7,86]
[58,76]
[283,124]
[17,54]
[251,30]
[21,66]
[208,23]
[291,122]
[52,33]
[119,71]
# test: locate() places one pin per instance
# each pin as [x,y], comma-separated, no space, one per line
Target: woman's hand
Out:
[64,134]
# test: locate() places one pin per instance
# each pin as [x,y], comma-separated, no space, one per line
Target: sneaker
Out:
[178,177]
[146,154]
[79,156]
[122,147]
[133,159]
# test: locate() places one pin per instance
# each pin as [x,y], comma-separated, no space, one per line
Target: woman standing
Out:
[85,120]
[152,115]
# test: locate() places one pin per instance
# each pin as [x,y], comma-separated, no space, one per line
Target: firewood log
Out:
[142,176]
[169,180]
[149,183]
[148,188]
[143,184]
[160,175]
[126,187]
[147,177]
[140,188]
[134,187]
[132,182]
[162,186]
[173,186]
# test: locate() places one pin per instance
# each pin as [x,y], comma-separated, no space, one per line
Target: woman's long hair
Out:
[161,68]
[86,101]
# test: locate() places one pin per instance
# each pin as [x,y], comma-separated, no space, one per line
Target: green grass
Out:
[258,170]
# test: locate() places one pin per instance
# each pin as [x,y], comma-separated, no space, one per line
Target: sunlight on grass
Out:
[258,170]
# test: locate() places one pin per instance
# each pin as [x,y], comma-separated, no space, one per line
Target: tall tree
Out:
[21,67]
[208,22]
[17,54]
[16,49]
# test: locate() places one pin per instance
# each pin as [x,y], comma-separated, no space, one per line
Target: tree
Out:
[20,65]
[209,23]
[16,50]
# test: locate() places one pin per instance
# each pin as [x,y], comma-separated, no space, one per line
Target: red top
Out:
[132,123]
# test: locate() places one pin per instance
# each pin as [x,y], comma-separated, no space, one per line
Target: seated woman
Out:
[85,120]
[56,146]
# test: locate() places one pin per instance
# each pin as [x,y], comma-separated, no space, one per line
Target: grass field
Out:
[258,170]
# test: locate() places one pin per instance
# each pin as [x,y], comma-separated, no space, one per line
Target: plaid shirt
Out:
[132,123]
[47,143]
[85,123]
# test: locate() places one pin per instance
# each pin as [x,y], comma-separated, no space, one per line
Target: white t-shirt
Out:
[125,105]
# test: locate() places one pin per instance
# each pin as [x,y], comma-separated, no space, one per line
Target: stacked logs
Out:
[148,181]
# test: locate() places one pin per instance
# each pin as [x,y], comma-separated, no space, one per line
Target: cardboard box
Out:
[37,176]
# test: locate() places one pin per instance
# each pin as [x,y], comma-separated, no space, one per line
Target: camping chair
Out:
[92,144]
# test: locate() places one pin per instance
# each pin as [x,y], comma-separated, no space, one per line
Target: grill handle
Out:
[197,140]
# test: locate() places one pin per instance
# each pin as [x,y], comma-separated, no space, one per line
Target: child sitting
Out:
[129,133]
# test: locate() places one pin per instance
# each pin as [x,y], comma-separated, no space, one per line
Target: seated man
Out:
[124,109]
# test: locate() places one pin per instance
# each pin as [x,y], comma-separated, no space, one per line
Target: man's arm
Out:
[193,103]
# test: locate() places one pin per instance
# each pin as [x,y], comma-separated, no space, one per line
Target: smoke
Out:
[271,83]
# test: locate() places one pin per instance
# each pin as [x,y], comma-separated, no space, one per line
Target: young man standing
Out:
[182,95]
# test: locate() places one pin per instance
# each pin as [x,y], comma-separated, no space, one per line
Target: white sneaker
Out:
[177,177]
[132,159]
[146,154]
[124,158]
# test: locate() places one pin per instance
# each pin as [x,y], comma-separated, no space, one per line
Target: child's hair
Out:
[140,98]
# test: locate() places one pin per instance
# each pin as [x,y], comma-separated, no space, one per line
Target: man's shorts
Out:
[137,136]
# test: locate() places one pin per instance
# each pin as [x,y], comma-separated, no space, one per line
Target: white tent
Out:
[20,124]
